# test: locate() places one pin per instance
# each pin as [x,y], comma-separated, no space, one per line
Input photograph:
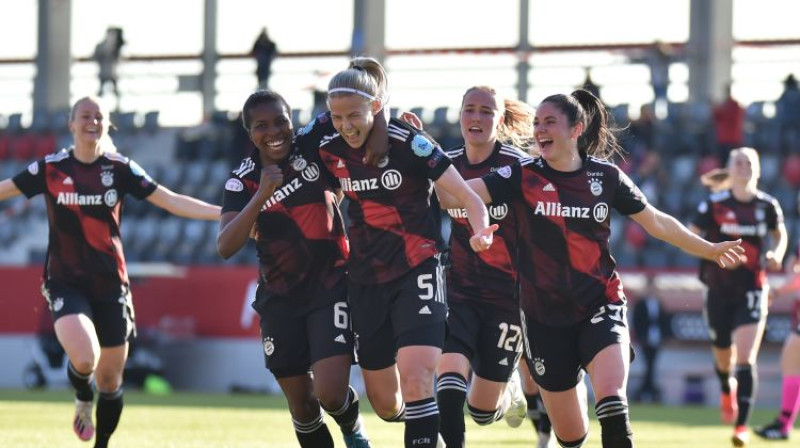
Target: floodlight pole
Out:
[524,51]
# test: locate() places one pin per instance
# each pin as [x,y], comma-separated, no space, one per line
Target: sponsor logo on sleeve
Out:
[505,171]
[33,168]
[234,185]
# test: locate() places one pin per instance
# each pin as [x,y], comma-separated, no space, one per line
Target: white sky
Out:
[161,27]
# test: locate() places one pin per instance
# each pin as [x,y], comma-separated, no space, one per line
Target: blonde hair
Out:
[106,143]
[720,178]
[364,76]
[517,126]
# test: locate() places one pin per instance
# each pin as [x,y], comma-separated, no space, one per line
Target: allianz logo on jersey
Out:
[283,193]
[71,198]
[599,212]
[497,212]
[390,180]
[759,229]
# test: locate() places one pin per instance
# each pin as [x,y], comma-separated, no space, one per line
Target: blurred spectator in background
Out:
[588,83]
[649,325]
[107,54]
[264,51]
[728,125]
[788,115]
[658,57]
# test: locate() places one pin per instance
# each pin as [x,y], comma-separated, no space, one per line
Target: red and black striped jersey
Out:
[301,242]
[393,226]
[84,205]
[490,275]
[722,217]
[566,271]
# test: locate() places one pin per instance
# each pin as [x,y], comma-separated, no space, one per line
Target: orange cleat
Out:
[741,436]
[728,408]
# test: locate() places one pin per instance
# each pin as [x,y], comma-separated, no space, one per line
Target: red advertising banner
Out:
[194,301]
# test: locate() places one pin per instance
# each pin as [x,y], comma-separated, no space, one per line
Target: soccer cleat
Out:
[356,440]
[728,408]
[773,431]
[741,436]
[517,407]
[82,425]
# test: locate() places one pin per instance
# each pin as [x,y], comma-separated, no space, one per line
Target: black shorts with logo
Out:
[410,310]
[112,315]
[488,335]
[294,340]
[728,307]
[557,356]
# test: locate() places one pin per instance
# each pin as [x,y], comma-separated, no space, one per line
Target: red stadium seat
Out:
[5,147]
[45,144]
[791,170]
[635,235]
[22,147]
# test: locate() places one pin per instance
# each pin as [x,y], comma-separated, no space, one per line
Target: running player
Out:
[85,279]
[483,318]
[735,304]
[396,289]
[572,300]
[302,292]
[781,427]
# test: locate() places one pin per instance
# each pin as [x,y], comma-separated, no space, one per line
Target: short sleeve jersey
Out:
[566,271]
[490,275]
[84,205]
[301,242]
[721,217]
[393,227]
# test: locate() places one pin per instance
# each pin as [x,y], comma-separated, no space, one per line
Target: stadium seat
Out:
[791,170]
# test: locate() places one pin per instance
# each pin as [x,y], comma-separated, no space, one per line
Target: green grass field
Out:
[43,419]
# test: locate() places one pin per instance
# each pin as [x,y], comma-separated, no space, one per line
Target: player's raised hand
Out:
[482,239]
[271,179]
[728,254]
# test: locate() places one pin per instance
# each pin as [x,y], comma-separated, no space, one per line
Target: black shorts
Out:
[727,308]
[294,341]
[410,310]
[558,356]
[113,316]
[488,335]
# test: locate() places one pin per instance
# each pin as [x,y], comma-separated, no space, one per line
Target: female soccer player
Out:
[282,190]
[736,305]
[781,427]
[572,300]
[86,279]
[483,319]
[395,278]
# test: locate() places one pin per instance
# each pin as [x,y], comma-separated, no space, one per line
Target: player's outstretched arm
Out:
[664,227]
[454,185]
[182,205]
[8,189]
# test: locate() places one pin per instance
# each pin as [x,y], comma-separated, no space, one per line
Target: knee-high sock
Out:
[347,417]
[451,394]
[313,434]
[747,379]
[81,382]
[612,412]
[422,424]
[109,410]
[790,401]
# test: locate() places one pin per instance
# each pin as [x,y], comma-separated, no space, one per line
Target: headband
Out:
[356,91]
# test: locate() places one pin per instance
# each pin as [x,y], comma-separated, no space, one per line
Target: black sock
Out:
[314,434]
[616,432]
[422,424]
[81,382]
[533,409]
[109,409]
[747,379]
[483,417]
[723,380]
[400,416]
[347,416]
[544,423]
[451,393]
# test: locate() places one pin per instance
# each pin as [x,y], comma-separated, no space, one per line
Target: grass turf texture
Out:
[182,420]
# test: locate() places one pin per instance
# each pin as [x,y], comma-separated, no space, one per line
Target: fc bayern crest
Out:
[596,186]
[269,346]
[299,164]
[107,178]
